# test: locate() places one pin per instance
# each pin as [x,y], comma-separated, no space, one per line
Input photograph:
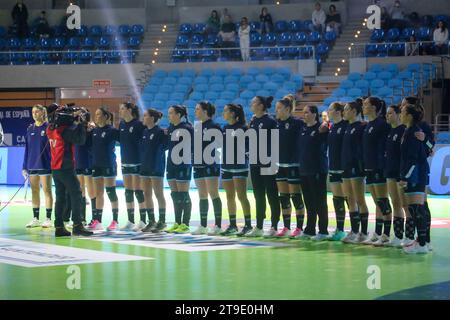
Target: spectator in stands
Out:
[19,15]
[224,14]
[266,21]
[318,19]
[42,27]
[412,47]
[385,19]
[244,39]
[440,38]
[228,34]
[213,23]
[397,15]
[333,20]
[68,32]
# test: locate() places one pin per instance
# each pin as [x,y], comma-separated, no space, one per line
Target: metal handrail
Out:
[439,123]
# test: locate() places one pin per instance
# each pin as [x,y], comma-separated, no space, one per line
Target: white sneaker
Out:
[138,227]
[69,225]
[407,242]
[214,231]
[351,238]
[320,237]
[200,231]
[271,233]
[396,242]
[382,241]
[128,227]
[416,248]
[33,223]
[362,237]
[47,223]
[430,248]
[372,239]
[255,232]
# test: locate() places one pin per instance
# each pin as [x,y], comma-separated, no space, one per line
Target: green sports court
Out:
[276,269]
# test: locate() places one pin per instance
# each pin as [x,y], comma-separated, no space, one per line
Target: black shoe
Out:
[62,232]
[160,226]
[148,228]
[230,231]
[80,230]
[244,230]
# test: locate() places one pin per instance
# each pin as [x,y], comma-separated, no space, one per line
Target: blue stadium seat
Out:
[14,44]
[134,42]
[385,76]
[216,87]
[220,104]
[190,104]
[137,30]
[330,36]
[247,94]
[199,28]
[322,49]
[215,79]
[314,38]
[2,32]
[255,39]
[262,93]
[82,32]
[228,95]
[95,31]
[211,95]
[424,34]
[306,53]
[347,84]
[169,81]
[103,43]
[355,76]
[158,104]
[29,44]
[369,76]
[110,30]
[252,71]
[385,92]
[163,96]
[393,35]
[200,80]
[284,39]
[174,74]
[414,67]
[297,79]
[255,26]
[281,26]
[262,78]
[240,101]
[407,33]
[330,100]
[87,43]
[230,79]
[124,30]
[185,29]
[201,87]
[300,38]
[269,39]
[375,85]
[305,25]
[443,138]
[212,40]
[277,78]
[363,85]
[118,43]
[377,35]
[245,80]
[182,41]
[205,72]
[355,92]
[44,44]
[290,86]
[295,25]
[376,68]
[340,92]
[254,86]
[197,41]
[232,87]
[147,96]
[58,43]
[197,96]
[280,93]
[177,96]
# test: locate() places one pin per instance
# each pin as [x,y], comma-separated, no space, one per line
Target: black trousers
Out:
[265,185]
[314,189]
[66,181]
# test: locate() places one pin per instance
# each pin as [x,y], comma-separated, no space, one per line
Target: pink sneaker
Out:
[93,224]
[114,226]
[297,233]
[285,232]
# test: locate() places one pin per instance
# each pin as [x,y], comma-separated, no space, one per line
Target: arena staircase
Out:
[150,43]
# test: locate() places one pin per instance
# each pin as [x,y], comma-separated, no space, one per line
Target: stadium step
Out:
[151,43]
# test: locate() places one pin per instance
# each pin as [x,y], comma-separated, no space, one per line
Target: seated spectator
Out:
[266,21]
[213,23]
[397,16]
[228,34]
[385,19]
[318,19]
[412,47]
[333,20]
[19,15]
[244,39]
[43,29]
[414,20]
[440,38]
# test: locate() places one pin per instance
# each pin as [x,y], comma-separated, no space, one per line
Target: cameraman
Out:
[62,138]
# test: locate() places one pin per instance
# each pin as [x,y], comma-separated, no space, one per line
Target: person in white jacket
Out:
[244,39]
[440,38]
[318,19]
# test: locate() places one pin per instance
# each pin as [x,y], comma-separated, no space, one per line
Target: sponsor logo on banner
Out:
[33,254]
[181,242]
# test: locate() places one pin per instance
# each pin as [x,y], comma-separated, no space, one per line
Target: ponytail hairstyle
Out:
[291,97]
[339,107]
[415,111]
[155,114]
[265,101]
[412,100]
[208,107]
[287,103]
[238,111]
[43,109]
[357,106]
[111,117]
[315,110]
[396,108]
[182,111]
[379,104]
[108,115]
[134,109]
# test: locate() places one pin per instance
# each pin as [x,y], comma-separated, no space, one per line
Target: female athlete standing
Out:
[288,176]
[179,174]
[335,139]
[154,145]
[313,163]
[414,175]
[392,174]
[207,175]
[263,184]
[36,165]
[104,168]
[235,174]
[353,176]
[130,130]
[374,147]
